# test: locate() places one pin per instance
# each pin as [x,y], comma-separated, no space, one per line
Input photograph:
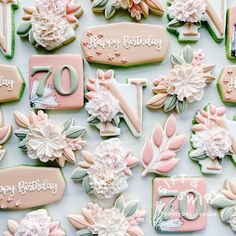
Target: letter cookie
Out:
[42,139]
[122,219]
[51,24]
[184,84]
[179,204]
[25,187]
[7,27]
[34,223]
[213,139]
[105,172]
[187,16]
[56,82]
[108,101]
[125,44]
[159,152]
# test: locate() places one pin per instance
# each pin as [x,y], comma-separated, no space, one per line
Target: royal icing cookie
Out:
[187,16]
[212,139]
[225,202]
[5,134]
[105,171]
[179,204]
[42,139]
[121,219]
[159,152]
[12,84]
[184,84]
[7,27]
[31,187]
[136,8]
[125,44]
[56,82]
[35,223]
[50,24]
[109,100]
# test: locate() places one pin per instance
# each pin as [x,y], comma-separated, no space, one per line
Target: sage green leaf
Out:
[198,23]
[175,23]
[21,133]
[120,203]
[116,121]
[68,124]
[110,9]
[86,184]
[170,103]
[131,208]
[84,232]
[75,132]
[99,4]
[93,121]
[177,60]
[22,144]
[197,154]
[226,213]
[181,106]
[78,174]
[222,202]
[31,38]
[23,29]
[188,54]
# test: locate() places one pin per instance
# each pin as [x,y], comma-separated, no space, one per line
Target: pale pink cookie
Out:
[179,204]
[185,82]
[159,152]
[42,139]
[56,81]
[225,202]
[35,223]
[125,44]
[25,187]
[121,219]
[50,24]
[108,101]
[105,172]
[213,139]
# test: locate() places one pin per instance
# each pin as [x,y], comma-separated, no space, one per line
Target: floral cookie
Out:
[187,16]
[184,84]
[136,8]
[159,152]
[108,101]
[212,139]
[179,204]
[105,172]
[225,202]
[122,219]
[25,187]
[50,24]
[43,140]
[35,223]
[7,27]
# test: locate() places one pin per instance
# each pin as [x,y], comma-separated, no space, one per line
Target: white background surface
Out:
[75,198]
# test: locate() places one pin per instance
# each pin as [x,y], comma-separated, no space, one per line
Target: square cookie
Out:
[56,82]
[179,204]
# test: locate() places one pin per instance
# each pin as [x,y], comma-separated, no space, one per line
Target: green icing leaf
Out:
[222,202]
[99,4]
[226,213]
[78,174]
[120,203]
[170,103]
[116,121]
[22,144]
[93,121]
[31,38]
[84,232]
[181,106]
[23,29]
[75,132]
[110,9]
[175,23]
[188,54]
[68,124]
[177,60]
[197,154]
[21,133]
[86,184]
[131,208]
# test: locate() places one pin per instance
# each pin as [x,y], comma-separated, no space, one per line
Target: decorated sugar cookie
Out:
[7,27]
[225,202]
[105,171]
[121,219]
[187,16]
[213,139]
[42,139]
[179,204]
[35,223]
[56,82]
[136,8]
[109,101]
[12,83]
[50,24]
[184,84]
[159,152]
[24,187]
[125,44]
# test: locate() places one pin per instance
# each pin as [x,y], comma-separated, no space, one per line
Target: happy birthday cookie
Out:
[109,101]
[185,82]
[125,44]
[50,24]
[121,219]
[212,139]
[43,140]
[35,223]
[187,16]
[105,171]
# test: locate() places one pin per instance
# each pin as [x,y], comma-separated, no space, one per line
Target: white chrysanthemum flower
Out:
[55,7]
